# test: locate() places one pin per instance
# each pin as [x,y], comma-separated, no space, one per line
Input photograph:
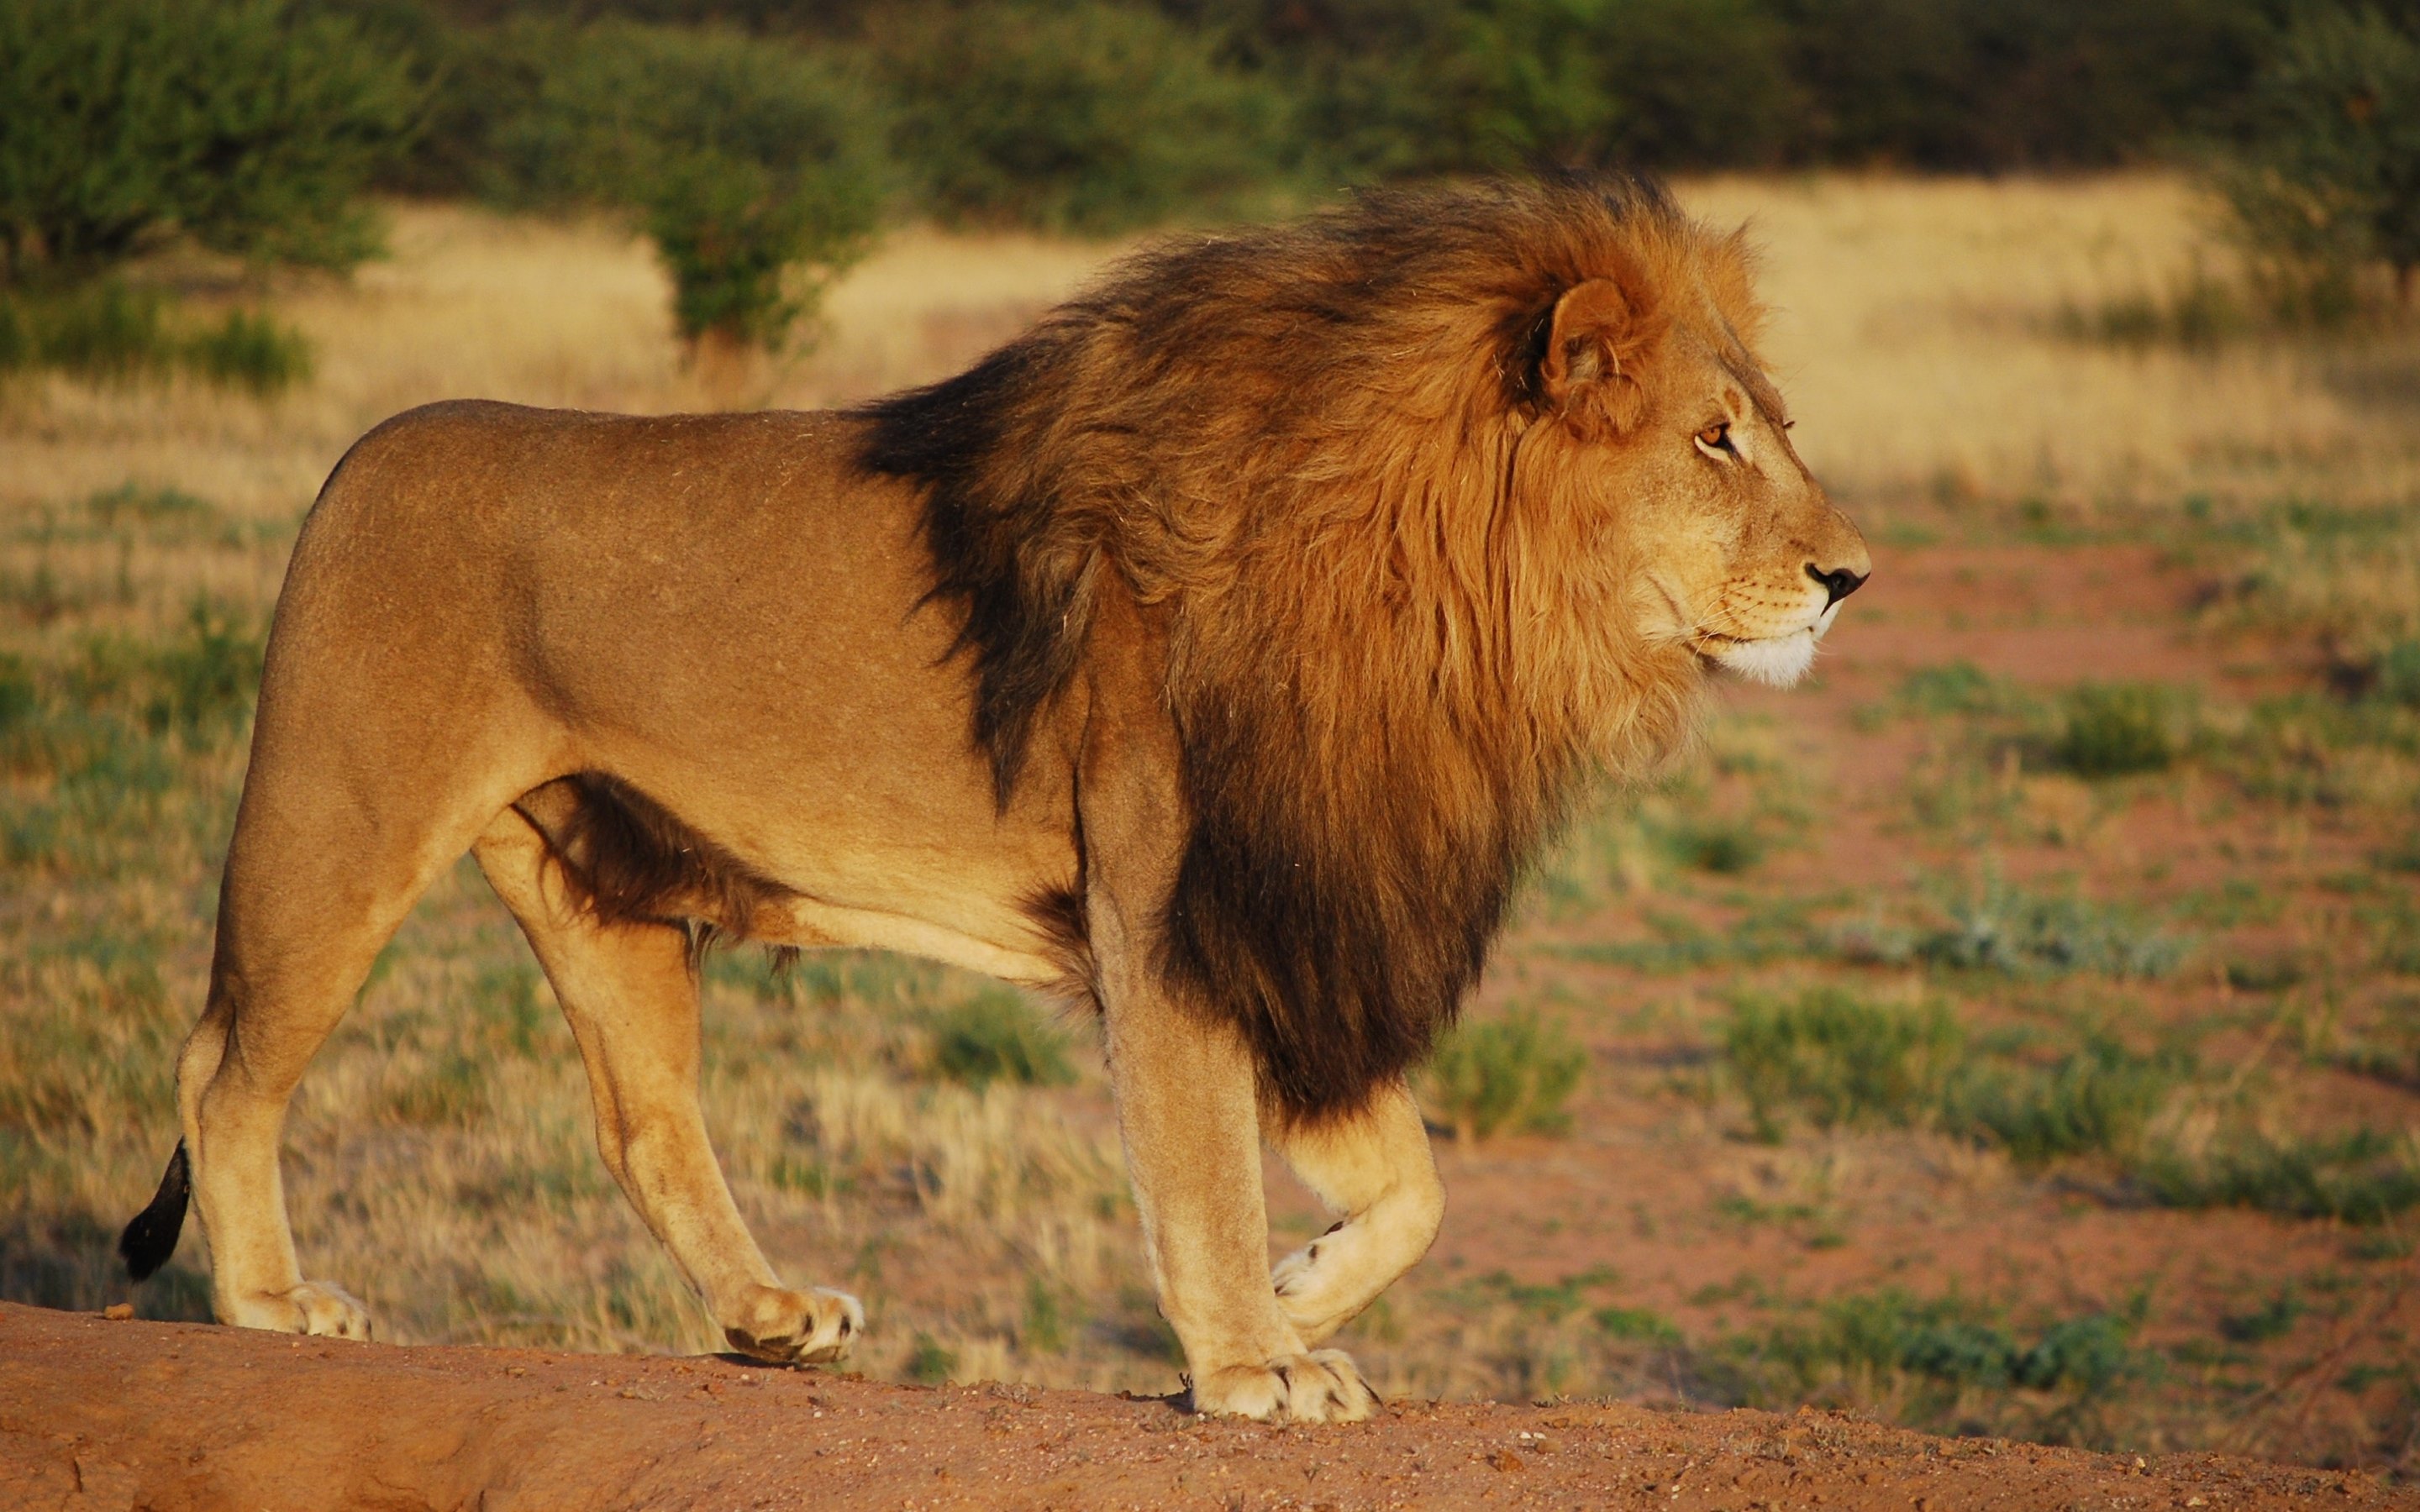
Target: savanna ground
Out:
[2015,1031]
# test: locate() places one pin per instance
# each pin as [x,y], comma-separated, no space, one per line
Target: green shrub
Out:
[1957,687]
[1861,1341]
[1090,117]
[2001,928]
[754,166]
[1513,1072]
[930,1363]
[1724,847]
[998,1036]
[2095,1101]
[249,350]
[2398,674]
[250,125]
[2116,729]
[1840,1060]
[2361,1177]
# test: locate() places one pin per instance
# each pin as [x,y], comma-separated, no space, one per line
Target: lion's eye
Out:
[1717,438]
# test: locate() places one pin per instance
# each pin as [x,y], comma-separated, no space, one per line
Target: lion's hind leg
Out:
[630,994]
[1375,1168]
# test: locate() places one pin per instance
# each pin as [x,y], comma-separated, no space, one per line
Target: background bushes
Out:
[757,142]
[1086,117]
[247,125]
[755,166]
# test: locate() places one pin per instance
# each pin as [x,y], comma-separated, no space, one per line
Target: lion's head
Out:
[1441,500]
[1661,419]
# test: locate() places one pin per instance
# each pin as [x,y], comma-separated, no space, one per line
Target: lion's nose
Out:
[1839,582]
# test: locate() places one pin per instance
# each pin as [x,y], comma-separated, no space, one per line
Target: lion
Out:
[1216,654]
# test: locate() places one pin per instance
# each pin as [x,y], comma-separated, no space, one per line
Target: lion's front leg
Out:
[1186,1107]
[1375,1169]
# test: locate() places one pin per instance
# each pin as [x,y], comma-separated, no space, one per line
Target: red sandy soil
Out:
[124,1415]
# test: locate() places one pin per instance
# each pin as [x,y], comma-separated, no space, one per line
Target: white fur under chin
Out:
[1776,661]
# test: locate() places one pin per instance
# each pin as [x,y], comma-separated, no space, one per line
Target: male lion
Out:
[1216,653]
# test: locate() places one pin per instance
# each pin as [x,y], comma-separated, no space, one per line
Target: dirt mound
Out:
[126,1416]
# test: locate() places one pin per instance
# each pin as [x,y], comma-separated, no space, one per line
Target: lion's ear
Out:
[1596,343]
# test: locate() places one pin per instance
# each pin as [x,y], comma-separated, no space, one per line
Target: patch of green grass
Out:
[1725,847]
[1636,1325]
[1955,689]
[248,351]
[1840,1060]
[1891,1346]
[2005,929]
[2344,579]
[449,1092]
[929,1362]
[1515,1073]
[2197,311]
[2364,1177]
[1044,1325]
[2117,728]
[2272,1319]
[997,1035]
[2096,1101]
[110,331]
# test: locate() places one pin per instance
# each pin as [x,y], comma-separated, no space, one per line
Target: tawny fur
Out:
[1220,651]
[1395,642]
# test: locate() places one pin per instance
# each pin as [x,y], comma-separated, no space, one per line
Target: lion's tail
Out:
[151,1238]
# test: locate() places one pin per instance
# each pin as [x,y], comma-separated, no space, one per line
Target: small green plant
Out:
[2273,1318]
[110,331]
[2116,729]
[2004,928]
[247,350]
[1515,1073]
[1957,687]
[2398,674]
[1724,847]
[1043,1327]
[2197,311]
[2097,1100]
[930,1362]
[1840,1060]
[1859,1345]
[2360,1178]
[997,1036]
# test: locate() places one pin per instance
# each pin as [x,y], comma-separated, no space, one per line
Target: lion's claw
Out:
[318,1308]
[1322,1386]
[785,1327]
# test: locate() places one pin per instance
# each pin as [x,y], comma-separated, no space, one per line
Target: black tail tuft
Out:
[151,1238]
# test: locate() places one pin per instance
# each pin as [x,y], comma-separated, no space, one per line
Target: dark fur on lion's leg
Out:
[151,1238]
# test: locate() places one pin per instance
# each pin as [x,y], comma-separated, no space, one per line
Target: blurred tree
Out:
[1089,116]
[755,166]
[247,124]
[2327,173]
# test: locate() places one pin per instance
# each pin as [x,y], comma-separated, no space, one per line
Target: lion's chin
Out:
[1776,661]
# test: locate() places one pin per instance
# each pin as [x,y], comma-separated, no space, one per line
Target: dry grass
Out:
[439,1154]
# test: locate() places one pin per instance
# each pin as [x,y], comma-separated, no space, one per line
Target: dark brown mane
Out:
[1389,661]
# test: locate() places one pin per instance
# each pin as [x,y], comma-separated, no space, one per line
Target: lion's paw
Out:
[319,1308]
[1316,1285]
[1322,1386]
[796,1327]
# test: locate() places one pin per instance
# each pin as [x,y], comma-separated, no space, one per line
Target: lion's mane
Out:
[1395,649]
